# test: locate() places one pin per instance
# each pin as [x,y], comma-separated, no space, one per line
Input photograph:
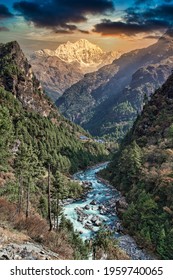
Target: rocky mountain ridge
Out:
[16,76]
[120,87]
[59,69]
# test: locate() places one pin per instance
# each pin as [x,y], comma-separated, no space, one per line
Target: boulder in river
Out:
[88,226]
[97,223]
[93,202]
[86,207]
[118,227]
[93,219]
[87,184]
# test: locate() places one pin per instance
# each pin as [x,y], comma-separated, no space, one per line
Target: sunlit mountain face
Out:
[59,69]
[112,25]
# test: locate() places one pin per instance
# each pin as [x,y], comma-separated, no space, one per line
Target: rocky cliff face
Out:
[59,69]
[108,101]
[16,76]
[55,75]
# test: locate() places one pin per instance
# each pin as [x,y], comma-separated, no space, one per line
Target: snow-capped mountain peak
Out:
[81,51]
[87,55]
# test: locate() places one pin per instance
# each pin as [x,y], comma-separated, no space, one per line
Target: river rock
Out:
[87,207]
[79,219]
[88,226]
[97,223]
[27,251]
[102,212]
[86,184]
[81,215]
[94,219]
[128,244]
[93,202]
[118,227]
[121,205]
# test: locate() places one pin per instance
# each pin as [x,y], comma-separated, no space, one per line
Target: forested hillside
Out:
[38,147]
[143,171]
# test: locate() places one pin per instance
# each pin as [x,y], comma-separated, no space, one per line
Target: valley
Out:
[41,149]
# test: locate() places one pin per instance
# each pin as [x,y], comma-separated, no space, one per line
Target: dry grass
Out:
[34,227]
[4,177]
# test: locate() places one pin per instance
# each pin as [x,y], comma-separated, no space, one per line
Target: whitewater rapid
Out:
[83,212]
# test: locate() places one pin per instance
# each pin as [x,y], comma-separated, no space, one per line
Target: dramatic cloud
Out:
[84,31]
[59,14]
[156,37]
[160,12]
[4,12]
[142,2]
[107,27]
[3,28]
[138,21]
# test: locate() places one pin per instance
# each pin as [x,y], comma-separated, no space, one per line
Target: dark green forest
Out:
[31,143]
[142,170]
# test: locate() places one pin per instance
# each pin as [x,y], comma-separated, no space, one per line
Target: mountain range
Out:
[107,101]
[58,70]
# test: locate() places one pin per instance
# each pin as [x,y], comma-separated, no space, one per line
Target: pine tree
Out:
[59,192]
[27,169]
[49,199]
[6,133]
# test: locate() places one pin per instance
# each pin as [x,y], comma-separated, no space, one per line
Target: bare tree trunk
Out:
[27,199]
[49,201]
[20,193]
[57,217]
[94,252]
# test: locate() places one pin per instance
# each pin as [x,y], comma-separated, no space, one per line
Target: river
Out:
[99,208]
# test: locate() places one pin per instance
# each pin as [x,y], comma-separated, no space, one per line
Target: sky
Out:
[111,24]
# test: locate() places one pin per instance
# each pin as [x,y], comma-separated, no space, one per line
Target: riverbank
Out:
[121,207]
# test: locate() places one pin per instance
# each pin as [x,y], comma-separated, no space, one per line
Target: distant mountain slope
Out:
[143,171]
[107,101]
[55,75]
[59,69]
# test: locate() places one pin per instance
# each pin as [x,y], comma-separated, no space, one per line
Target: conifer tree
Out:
[49,199]
[27,169]
[59,192]
[5,135]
